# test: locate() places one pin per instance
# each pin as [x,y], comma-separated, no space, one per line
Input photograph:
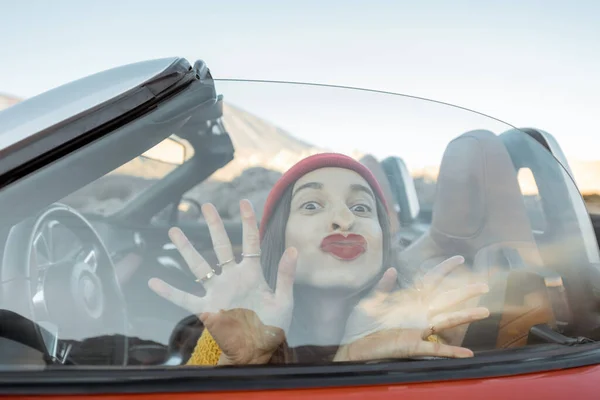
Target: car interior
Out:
[544,279]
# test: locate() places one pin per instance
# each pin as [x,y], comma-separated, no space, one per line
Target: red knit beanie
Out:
[303,167]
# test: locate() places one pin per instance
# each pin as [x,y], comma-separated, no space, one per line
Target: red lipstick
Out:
[346,248]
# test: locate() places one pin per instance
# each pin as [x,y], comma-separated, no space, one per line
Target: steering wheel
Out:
[57,272]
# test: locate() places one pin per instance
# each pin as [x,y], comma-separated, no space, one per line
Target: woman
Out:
[324,286]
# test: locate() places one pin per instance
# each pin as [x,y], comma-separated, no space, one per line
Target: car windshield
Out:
[302,224]
[119,187]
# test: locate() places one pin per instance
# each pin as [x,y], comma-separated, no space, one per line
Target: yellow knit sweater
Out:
[207,351]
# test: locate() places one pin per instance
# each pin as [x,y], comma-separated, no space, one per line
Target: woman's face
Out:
[334,225]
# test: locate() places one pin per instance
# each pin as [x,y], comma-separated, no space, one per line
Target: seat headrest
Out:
[478,200]
[377,170]
[403,186]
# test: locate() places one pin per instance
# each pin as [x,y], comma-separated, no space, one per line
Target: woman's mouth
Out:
[346,248]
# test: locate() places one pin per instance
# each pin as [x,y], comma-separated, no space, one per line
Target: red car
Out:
[94,173]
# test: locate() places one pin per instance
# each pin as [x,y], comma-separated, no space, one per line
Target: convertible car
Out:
[94,173]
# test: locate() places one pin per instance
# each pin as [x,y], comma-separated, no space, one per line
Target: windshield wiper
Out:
[544,334]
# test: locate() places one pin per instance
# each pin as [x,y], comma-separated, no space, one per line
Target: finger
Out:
[387,283]
[210,319]
[451,298]
[222,327]
[193,259]
[434,277]
[433,349]
[178,297]
[286,274]
[218,234]
[251,238]
[203,317]
[451,320]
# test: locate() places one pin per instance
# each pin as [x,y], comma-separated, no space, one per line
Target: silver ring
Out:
[226,262]
[251,255]
[206,277]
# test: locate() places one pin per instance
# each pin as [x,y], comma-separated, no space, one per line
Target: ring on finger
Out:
[206,277]
[431,330]
[226,262]
[251,255]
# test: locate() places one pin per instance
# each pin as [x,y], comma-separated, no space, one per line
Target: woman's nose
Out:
[343,219]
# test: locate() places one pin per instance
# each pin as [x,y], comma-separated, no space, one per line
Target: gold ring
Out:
[206,277]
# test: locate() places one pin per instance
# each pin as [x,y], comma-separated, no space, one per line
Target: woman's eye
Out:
[311,205]
[361,208]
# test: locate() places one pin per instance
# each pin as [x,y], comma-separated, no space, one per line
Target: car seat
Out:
[479,213]
[567,244]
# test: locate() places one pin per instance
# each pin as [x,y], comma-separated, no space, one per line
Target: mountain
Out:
[264,151]
[259,143]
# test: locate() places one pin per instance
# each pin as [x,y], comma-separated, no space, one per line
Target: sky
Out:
[530,63]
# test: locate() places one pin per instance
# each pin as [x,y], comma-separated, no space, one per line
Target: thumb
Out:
[286,274]
[388,281]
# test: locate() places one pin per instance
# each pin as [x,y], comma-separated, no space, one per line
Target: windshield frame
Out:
[131,132]
[489,364]
[51,143]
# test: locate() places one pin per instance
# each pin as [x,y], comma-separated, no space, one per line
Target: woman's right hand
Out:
[244,315]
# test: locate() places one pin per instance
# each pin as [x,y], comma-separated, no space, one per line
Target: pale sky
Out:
[530,63]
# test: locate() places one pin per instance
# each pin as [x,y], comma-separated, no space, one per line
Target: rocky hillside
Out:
[263,152]
[259,143]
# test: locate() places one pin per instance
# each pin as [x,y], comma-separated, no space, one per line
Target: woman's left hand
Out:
[397,324]
[397,343]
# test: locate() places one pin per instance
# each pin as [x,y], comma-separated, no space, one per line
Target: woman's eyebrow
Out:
[361,188]
[309,185]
